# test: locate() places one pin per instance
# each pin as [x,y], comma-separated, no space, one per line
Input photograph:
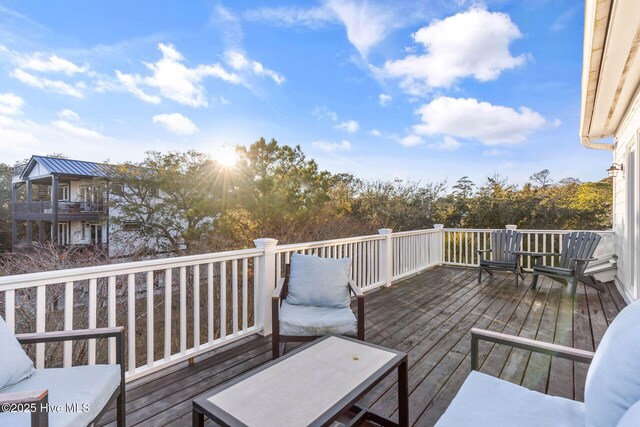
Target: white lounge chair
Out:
[612,389]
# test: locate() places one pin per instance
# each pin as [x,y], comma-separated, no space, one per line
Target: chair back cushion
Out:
[631,418]
[613,380]
[321,282]
[15,365]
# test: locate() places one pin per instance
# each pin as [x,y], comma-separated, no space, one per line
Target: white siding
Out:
[626,141]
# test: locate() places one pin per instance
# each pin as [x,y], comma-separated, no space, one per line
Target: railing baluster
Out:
[168,291]
[223,300]
[41,306]
[210,305]
[131,323]
[196,307]
[93,303]
[150,322]
[234,295]
[111,316]
[256,278]
[245,293]
[10,309]
[67,358]
[183,310]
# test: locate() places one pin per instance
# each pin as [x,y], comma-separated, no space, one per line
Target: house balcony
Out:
[67,211]
[195,322]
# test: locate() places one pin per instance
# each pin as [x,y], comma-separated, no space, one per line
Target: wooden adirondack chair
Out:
[577,250]
[504,245]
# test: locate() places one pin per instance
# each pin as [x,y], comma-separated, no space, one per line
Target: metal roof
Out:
[72,167]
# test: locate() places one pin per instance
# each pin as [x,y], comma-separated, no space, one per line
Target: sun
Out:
[227,157]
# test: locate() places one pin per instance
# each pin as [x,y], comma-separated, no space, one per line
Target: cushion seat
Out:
[484,400]
[303,320]
[553,270]
[88,385]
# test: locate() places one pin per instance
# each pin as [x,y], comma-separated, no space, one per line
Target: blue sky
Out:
[422,90]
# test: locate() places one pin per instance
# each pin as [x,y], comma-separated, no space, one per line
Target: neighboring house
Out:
[611,108]
[70,202]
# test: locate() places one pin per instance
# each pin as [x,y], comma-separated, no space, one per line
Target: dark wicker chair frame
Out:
[40,398]
[278,341]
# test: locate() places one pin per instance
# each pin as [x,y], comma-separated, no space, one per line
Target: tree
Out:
[541,178]
[172,197]
[6,175]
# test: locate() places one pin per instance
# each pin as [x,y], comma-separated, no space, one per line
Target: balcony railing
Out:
[64,207]
[177,308]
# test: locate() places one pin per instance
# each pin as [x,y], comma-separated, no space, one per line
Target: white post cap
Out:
[438,226]
[265,243]
[385,231]
[511,226]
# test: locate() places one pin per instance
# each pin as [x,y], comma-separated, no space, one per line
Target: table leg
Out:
[403,394]
[198,418]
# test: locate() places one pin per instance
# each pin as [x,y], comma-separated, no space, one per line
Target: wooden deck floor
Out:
[429,316]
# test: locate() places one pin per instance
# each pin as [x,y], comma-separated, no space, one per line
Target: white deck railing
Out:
[176,308]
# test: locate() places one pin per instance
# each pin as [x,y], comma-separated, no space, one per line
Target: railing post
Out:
[511,226]
[386,256]
[267,281]
[440,243]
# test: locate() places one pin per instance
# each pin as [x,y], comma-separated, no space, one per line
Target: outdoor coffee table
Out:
[312,385]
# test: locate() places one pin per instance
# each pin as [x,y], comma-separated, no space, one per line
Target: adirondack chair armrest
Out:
[482,250]
[536,254]
[574,354]
[584,259]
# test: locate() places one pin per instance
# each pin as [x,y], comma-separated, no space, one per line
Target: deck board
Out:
[428,315]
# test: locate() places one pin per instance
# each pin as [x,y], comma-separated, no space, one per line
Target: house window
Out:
[83,229]
[63,193]
[131,226]
[117,189]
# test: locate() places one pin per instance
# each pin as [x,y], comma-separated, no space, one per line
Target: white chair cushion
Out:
[613,380]
[15,365]
[484,400]
[91,385]
[300,320]
[321,282]
[631,418]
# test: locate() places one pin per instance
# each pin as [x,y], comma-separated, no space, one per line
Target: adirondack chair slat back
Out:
[578,244]
[503,245]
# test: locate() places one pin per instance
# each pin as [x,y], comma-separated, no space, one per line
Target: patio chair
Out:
[611,393]
[312,300]
[504,244]
[577,250]
[80,395]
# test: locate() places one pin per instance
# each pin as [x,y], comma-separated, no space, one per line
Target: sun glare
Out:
[227,157]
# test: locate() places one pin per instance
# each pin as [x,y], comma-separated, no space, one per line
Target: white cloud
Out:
[175,80]
[240,62]
[411,140]
[289,16]
[51,64]
[323,112]
[57,86]
[469,118]
[176,123]
[220,100]
[493,152]
[474,44]
[367,23]
[384,99]
[10,103]
[447,143]
[332,146]
[375,132]
[78,131]
[68,114]
[350,126]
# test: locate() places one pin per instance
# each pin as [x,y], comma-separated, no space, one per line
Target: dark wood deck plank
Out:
[428,315]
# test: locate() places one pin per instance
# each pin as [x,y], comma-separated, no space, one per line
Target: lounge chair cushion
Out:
[15,365]
[487,401]
[88,385]
[299,320]
[613,380]
[321,282]
[631,418]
